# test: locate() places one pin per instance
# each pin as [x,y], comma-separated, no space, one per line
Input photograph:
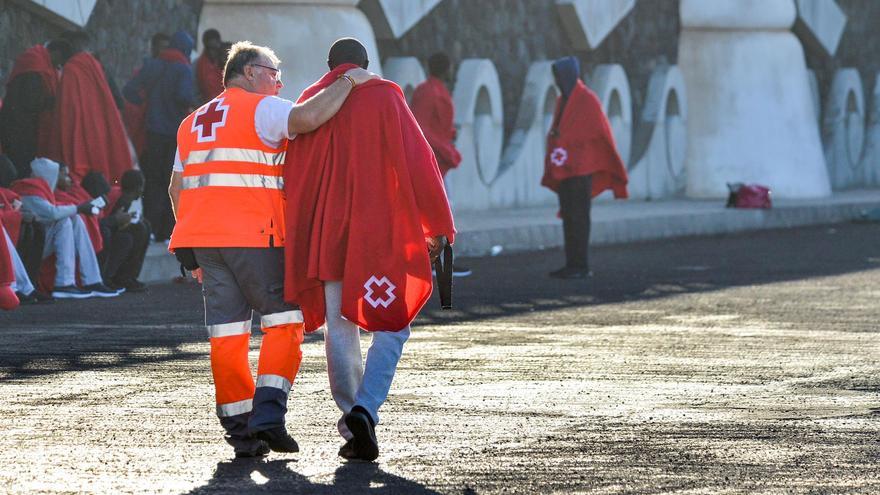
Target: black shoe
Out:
[134,285]
[460,271]
[35,297]
[258,449]
[568,273]
[364,443]
[278,439]
[101,290]
[347,450]
[70,292]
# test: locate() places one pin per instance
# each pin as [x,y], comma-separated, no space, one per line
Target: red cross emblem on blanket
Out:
[559,156]
[208,119]
[374,287]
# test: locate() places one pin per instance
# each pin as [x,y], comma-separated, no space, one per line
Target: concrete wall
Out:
[121,30]
[859,46]
[518,33]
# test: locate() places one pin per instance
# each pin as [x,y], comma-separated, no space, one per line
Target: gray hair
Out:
[243,53]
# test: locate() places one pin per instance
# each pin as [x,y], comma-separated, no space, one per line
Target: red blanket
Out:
[37,59]
[9,217]
[135,119]
[581,143]
[363,192]
[209,77]
[33,186]
[77,195]
[432,107]
[91,129]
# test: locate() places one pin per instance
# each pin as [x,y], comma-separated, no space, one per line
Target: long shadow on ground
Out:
[260,476]
[157,326]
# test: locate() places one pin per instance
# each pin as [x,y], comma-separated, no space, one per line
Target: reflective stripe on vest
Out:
[274,381]
[235,408]
[228,329]
[233,180]
[284,318]
[235,155]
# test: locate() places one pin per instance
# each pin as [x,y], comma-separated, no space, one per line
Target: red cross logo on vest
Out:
[373,286]
[208,119]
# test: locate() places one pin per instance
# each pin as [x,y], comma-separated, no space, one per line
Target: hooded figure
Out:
[581,162]
[169,84]
[566,72]
[66,235]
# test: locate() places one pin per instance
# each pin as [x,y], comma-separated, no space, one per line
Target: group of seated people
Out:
[69,240]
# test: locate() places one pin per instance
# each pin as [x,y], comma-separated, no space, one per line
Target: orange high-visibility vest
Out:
[233,191]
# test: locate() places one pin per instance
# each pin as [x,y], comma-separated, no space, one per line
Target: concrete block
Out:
[843,129]
[737,14]
[393,18]
[522,162]
[750,108]
[820,23]
[76,12]
[871,154]
[479,115]
[299,31]
[588,22]
[407,72]
[660,139]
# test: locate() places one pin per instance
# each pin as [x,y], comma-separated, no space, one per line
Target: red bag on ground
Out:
[749,196]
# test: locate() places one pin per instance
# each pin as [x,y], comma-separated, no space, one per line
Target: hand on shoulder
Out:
[361,76]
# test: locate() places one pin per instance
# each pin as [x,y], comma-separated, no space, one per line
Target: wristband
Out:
[349,79]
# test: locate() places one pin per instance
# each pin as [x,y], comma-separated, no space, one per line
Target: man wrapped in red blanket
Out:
[364,195]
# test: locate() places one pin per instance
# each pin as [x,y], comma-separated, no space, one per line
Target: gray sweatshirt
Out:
[46,212]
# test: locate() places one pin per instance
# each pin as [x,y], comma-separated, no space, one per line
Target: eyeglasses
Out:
[275,72]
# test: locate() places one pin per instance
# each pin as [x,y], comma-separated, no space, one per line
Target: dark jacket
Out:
[169,86]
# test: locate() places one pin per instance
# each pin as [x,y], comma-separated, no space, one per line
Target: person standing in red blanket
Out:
[433,109]
[581,162]
[209,66]
[92,136]
[227,193]
[27,118]
[366,212]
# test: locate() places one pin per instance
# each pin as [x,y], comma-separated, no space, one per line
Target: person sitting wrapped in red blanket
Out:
[67,237]
[12,215]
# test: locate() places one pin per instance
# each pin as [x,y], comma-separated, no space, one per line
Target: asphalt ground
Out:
[731,364]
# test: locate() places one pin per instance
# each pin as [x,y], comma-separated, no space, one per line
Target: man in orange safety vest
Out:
[227,193]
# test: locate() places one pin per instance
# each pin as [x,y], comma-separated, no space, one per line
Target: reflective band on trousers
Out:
[275,319]
[233,180]
[235,155]
[235,408]
[274,381]
[227,329]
